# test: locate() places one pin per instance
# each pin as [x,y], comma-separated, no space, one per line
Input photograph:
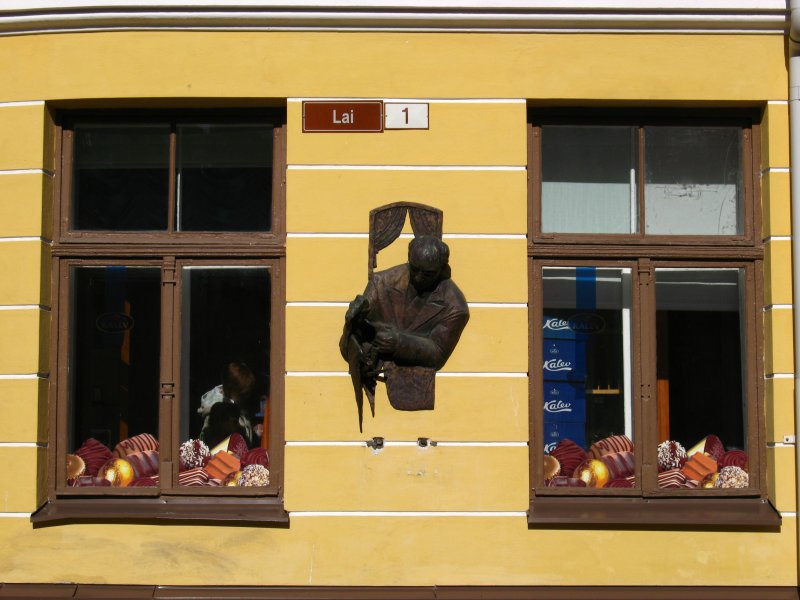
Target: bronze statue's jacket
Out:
[428,329]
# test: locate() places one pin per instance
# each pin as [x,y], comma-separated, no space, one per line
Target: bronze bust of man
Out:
[406,325]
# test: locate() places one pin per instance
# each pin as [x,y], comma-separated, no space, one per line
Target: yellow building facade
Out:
[432,520]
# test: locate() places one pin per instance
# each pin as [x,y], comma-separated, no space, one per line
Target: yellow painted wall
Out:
[471,164]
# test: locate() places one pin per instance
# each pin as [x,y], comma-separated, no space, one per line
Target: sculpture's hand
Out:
[358,307]
[387,338]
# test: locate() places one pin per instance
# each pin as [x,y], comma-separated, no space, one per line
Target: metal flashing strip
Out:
[19,18]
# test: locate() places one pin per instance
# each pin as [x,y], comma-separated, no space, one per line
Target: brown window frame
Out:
[169,251]
[647,505]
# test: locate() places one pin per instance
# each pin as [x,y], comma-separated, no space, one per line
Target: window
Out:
[645,340]
[168,264]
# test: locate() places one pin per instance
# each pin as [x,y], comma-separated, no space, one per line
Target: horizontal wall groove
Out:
[332,304]
[777,238]
[23,445]
[777,307]
[439,374]
[25,307]
[414,100]
[27,172]
[12,376]
[22,103]
[446,236]
[455,444]
[332,167]
[779,376]
[15,515]
[26,238]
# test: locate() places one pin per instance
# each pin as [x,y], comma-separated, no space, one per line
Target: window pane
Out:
[589,179]
[121,177]
[224,177]
[114,363]
[701,401]
[587,376]
[225,375]
[693,180]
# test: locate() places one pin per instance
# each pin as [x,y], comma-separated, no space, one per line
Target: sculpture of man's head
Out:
[428,259]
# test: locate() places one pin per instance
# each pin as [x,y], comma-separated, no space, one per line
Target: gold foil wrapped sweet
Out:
[75,466]
[593,472]
[710,481]
[117,471]
[551,467]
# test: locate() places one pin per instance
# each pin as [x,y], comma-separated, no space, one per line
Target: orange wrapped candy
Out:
[699,466]
[593,472]
[222,465]
[118,472]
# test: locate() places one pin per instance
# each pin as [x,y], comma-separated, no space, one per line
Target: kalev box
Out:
[555,432]
[564,360]
[573,326]
[564,401]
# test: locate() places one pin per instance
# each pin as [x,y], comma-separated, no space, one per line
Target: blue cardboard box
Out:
[555,432]
[575,326]
[564,401]
[564,360]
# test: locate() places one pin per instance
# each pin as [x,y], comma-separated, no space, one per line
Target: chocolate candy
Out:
[254,476]
[137,443]
[563,481]
[94,454]
[734,458]
[256,456]
[673,478]
[193,453]
[620,464]
[732,477]
[671,455]
[614,443]
[569,455]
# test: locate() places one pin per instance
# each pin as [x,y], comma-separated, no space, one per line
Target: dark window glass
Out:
[693,180]
[700,341]
[115,354]
[121,177]
[587,367]
[224,177]
[225,354]
[589,179]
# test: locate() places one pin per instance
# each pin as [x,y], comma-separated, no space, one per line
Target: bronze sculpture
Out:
[405,325]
